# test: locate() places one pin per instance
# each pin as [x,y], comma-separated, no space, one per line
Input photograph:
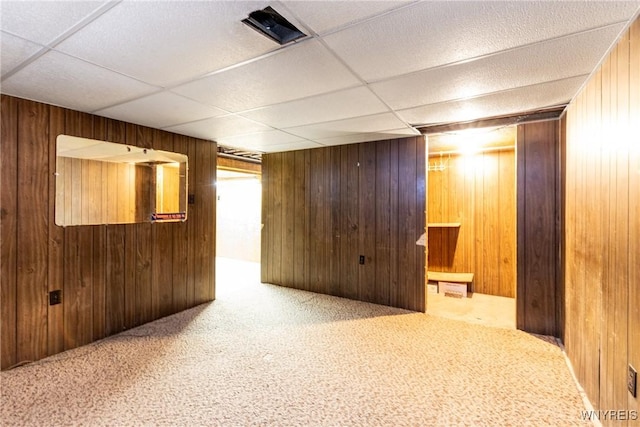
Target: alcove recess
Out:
[472,207]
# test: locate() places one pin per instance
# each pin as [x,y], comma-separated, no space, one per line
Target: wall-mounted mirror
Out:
[100,182]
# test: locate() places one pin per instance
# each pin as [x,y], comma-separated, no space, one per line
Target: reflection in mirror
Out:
[100,182]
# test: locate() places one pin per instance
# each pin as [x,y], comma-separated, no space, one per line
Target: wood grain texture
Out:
[479,193]
[634,206]
[55,313]
[600,244]
[537,145]
[78,311]
[238,165]
[112,277]
[32,230]
[367,221]
[162,244]
[180,243]
[345,202]
[8,229]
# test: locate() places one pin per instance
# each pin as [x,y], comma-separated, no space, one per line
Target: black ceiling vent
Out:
[273,25]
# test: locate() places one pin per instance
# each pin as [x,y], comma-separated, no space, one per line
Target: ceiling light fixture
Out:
[273,25]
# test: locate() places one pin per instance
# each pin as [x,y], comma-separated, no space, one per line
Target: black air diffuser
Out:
[273,25]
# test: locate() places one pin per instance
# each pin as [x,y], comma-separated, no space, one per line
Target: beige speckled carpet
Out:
[266,355]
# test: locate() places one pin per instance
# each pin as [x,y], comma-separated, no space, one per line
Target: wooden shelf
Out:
[444,224]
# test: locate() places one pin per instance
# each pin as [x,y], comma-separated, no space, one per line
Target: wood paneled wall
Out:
[602,228]
[539,301]
[324,208]
[112,277]
[94,192]
[479,192]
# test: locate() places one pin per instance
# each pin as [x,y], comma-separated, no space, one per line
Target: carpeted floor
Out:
[266,355]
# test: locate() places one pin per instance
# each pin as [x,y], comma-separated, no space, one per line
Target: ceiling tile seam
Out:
[484,94]
[126,100]
[99,11]
[324,122]
[271,128]
[491,54]
[353,23]
[49,49]
[303,98]
[364,83]
[606,54]
[260,57]
[451,101]
[25,63]
[119,103]
[347,67]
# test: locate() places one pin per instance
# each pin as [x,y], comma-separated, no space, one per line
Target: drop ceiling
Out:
[367,70]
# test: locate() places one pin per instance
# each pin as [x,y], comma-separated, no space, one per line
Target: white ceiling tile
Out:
[322,16]
[347,103]
[61,80]
[170,41]
[160,110]
[367,137]
[44,21]
[497,104]
[260,141]
[434,33]
[303,145]
[367,124]
[300,70]
[546,61]
[14,51]
[218,127]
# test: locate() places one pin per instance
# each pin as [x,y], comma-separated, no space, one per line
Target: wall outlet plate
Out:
[55,297]
[632,382]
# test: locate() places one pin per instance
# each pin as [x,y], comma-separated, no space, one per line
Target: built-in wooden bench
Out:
[442,276]
[448,282]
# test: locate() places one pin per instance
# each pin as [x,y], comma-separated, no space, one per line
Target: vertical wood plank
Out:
[99,239]
[205,215]
[162,243]
[55,325]
[288,219]
[276,196]
[367,221]
[491,224]
[349,206]
[336,284]
[507,225]
[317,253]
[115,241]
[299,218]
[80,286]
[211,224]
[407,233]
[419,301]
[537,142]
[8,229]
[634,206]
[180,242]
[394,210]
[383,223]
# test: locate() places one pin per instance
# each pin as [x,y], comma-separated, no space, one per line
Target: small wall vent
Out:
[273,25]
